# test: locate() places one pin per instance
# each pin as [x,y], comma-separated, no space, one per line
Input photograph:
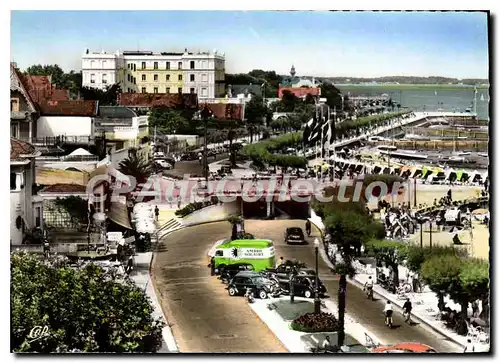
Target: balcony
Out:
[59,140]
[18,115]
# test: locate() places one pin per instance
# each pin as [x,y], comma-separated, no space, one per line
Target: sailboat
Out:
[482,97]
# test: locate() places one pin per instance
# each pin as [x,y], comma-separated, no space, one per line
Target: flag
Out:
[326,136]
[315,130]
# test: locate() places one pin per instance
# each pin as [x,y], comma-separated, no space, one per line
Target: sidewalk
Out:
[141,277]
[424,310]
[298,342]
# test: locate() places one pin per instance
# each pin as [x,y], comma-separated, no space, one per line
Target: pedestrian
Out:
[407,310]
[157,212]
[281,262]
[469,348]
[308,228]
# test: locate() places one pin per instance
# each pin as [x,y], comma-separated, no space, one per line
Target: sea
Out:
[429,99]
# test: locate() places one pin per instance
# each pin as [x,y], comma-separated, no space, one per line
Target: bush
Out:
[193,207]
[315,323]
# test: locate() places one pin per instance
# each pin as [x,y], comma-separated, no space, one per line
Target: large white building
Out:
[147,72]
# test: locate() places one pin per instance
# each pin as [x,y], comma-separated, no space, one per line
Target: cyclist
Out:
[407,310]
[369,287]
[388,309]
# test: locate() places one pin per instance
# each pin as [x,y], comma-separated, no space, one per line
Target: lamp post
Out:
[317,302]
[205,114]
[430,234]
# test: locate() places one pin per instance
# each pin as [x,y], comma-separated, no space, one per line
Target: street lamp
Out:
[204,115]
[317,302]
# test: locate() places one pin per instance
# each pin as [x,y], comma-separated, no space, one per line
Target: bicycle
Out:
[388,319]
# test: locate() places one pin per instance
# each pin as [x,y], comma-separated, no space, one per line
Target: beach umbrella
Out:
[424,171]
[459,174]
[480,211]
[436,171]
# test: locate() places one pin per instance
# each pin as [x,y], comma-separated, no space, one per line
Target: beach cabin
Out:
[386,170]
[451,175]
[416,172]
[377,169]
[462,176]
[426,172]
[476,177]
[437,176]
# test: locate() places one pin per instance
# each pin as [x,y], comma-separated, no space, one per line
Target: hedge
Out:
[270,151]
[193,207]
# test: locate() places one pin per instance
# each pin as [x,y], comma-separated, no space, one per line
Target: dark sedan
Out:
[303,286]
[294,235]
[229,271]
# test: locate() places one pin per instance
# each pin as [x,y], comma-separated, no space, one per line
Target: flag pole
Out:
[322,134]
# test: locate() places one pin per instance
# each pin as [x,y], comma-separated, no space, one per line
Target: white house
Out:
[26,208]
[101,69]
[72,119]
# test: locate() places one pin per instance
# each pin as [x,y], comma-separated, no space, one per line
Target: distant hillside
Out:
[406,80]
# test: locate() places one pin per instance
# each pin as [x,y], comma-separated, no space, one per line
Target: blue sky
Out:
[369,44]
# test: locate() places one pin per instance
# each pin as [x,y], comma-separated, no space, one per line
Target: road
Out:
[205,319]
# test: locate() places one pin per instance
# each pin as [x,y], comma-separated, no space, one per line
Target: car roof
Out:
[405,346]
[294,229]
[247,274]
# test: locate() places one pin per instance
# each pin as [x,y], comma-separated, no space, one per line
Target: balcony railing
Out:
[59,140]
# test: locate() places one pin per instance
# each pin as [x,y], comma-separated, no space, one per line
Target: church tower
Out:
[292,71]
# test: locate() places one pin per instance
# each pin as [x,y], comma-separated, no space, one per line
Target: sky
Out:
[317,43]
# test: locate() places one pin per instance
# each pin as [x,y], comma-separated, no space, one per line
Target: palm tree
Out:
[137,166]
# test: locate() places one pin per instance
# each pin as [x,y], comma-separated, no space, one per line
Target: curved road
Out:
[205,319]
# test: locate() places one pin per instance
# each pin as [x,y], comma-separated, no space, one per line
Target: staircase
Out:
[170,225]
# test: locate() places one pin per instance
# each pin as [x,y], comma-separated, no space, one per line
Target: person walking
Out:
[308,228]
[157,212]
[407,310]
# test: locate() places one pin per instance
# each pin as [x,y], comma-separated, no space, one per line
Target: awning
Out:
[118,214]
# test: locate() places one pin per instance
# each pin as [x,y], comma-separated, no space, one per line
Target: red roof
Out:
[41,89]
[68,108]
[18,148]
[186,100]
[65,188]
[300,91]
[226,111]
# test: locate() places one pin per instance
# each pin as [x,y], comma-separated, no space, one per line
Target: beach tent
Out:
[404,169]
[462,175]
[426,172]
[485,175]
[437,171]
[358,168]
[80,152]
[451,175]
[377,169]
[325,167]
[416,172]
[475,176]
[386,170]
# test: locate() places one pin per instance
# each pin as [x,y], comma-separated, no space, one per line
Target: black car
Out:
[304,286]
[260,286]
[229,271]
[294,235]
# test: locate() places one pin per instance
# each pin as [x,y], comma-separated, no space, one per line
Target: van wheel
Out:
[307,294]
[232,291]
[219,269]
[262,294]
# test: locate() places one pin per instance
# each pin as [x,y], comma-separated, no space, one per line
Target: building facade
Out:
[201,73]
[100,70]
[25,206]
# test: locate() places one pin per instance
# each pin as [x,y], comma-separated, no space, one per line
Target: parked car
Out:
[229,271]
[294,235]
[163,164]
[304,286]
[260,286]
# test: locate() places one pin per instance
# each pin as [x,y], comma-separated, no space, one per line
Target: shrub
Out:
[193,207]
[314,323]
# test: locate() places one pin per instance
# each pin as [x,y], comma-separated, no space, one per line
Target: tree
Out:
[255,112]
[289,101]
[106,97]
[85,309]
[137,166]
[390,252]
[416,256]
[167,120]
[350,226]
[440,273]
[332,94]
